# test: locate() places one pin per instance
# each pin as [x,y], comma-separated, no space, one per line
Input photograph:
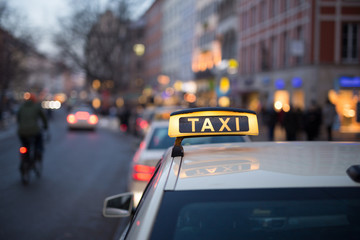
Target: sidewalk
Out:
[280,135]
[9,129]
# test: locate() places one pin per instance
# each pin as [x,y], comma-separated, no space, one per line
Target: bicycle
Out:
[31,158]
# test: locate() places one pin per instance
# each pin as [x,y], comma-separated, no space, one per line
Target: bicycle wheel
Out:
[38,167]
[25,172]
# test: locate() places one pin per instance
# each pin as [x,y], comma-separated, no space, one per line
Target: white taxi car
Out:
[284,190]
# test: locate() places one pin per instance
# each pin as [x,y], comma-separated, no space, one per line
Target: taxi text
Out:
[213,124]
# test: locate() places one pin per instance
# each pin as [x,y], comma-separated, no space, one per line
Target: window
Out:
[253,16]
[300,36]
[263,14]
[253,59]
[274,7]
[301,213]
[287,5]
[274,52]
[350,42]
[285,50]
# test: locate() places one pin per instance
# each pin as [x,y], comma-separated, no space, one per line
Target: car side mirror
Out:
[120,205]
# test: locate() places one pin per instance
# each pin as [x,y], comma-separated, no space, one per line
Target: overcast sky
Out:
[43,15]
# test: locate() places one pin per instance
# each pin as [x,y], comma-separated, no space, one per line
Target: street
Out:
[80,170]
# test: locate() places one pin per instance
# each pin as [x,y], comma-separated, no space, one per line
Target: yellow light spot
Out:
[163,79]
[27,96]
[96,103]
[224,85]
[147,91]
[96,84]
[178,85]
[333,97]
[142,99]
[158,100]
[189,97]
[286,107]
[224,102]
[233,63]
[139,49]
[278,105]
[119,102]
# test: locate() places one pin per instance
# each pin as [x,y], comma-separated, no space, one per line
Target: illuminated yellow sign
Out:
[212,121]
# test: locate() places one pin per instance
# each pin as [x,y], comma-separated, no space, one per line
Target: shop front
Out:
[346,97]
[289,94]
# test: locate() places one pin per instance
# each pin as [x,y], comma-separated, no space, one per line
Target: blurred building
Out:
[107,59]
[295,52]
[177,44]
[153,45]
[23,68]
[135,68]
[285,53]
[207,52]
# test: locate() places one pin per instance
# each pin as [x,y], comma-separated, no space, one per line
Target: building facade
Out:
[207,52]
[292,53]
[178,35]
[153,43]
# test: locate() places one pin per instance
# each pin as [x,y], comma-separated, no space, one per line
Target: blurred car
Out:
[255,190]
[153,114]
[153,147]
[82,117]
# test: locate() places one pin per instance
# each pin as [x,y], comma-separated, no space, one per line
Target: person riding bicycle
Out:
[29,129]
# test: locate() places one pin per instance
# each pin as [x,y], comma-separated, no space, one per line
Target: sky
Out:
[43,15]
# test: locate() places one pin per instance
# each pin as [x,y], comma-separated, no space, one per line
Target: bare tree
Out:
[15,42]
[93,39]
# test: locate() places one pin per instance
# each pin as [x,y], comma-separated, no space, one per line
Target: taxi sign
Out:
[197,122]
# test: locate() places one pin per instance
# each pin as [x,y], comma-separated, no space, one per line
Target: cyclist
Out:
[29,129]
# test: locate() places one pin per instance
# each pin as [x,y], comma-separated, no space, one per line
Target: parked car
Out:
[154,145]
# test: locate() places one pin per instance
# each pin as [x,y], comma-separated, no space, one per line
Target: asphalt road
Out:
[80,170]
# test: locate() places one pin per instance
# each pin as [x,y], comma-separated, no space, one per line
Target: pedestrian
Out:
[312,121]
[329,115]
[124,118]
[291,124]
[270,119]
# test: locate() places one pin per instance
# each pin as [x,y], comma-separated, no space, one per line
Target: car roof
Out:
[264,165]
[158,123]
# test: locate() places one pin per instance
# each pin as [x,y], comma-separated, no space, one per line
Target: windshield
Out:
[161,140]
[260,214]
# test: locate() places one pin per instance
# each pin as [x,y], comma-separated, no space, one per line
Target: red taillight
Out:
[123,127]
[71,119]
[143,124]
[143,172]
[23,150]
[142,145]
[93,119]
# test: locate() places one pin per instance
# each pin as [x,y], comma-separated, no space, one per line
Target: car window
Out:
[161,140]
[84,109]
[318,213]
